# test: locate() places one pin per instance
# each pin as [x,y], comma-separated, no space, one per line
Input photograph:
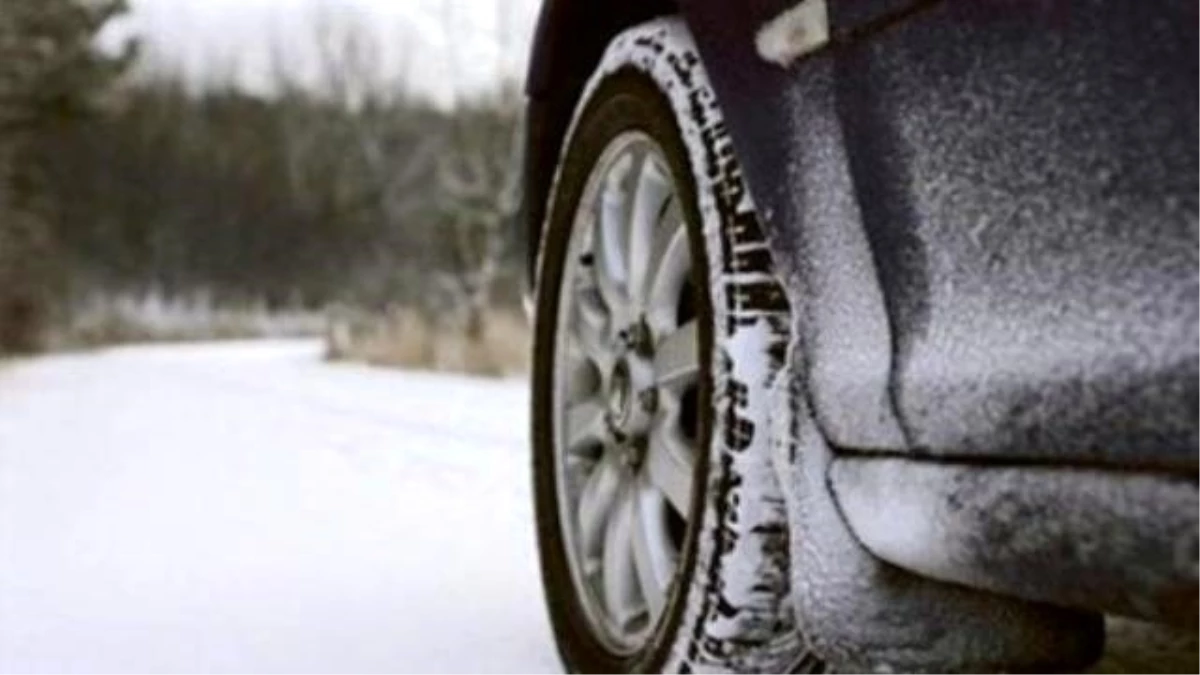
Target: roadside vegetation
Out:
[136,206]
[106,319]
[49,80]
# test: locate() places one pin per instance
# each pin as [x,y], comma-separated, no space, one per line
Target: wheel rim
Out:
[626,378]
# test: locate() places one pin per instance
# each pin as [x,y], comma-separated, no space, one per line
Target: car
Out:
[865,331]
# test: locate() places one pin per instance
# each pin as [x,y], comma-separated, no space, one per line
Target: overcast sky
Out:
[443,48]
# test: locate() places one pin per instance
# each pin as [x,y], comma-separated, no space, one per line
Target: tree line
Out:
[119,178]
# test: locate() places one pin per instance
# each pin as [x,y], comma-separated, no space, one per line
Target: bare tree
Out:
[375,151]
[478,180]
[479,183]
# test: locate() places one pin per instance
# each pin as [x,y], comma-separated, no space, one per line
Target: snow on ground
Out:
[246,507]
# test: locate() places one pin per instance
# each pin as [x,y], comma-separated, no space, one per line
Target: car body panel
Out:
[1025,176]
[1002,528]
[848,18]
[985,215]
[790,144]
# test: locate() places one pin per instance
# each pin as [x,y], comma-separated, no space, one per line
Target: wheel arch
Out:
[570,38]
[791,142]
[786,171]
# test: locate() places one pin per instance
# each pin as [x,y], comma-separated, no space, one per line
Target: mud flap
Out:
[863,614]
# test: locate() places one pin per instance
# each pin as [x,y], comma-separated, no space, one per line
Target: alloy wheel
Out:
[626,378]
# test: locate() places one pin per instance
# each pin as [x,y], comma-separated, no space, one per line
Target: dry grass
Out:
[403,338]
[117,319]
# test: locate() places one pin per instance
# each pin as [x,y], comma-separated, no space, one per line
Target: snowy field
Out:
[247,507]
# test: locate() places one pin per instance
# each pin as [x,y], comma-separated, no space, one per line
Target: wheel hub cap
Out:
[619,395]
[632,398]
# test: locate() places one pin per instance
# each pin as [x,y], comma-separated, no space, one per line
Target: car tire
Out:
[605,396]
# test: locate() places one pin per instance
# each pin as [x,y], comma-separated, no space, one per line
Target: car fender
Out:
[798,175]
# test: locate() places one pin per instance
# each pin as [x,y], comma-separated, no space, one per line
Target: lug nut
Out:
[628,460]
[649,400]
[641,340]
[633,454]
[617,434]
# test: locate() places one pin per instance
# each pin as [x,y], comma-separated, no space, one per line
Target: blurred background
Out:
[198,169]
[263,403]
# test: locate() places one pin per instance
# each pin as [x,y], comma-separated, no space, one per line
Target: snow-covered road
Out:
[249,508]
[246,507]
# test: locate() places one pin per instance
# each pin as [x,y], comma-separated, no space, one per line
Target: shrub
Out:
[26,280]
[411,339]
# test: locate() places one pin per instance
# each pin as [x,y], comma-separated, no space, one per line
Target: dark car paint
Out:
[1028,180]
[849,18]
[876,266]
[790,143]
[569,39]
[986,214]
[1025,174]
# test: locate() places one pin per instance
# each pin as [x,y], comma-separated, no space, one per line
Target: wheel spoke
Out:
[593,314]
[610,242]
[596,503]
[677,358]
[621,590]
[671,464]
[585,425]
[652,552]
[672,271]
[582,379]
[652,189]
[590,328]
